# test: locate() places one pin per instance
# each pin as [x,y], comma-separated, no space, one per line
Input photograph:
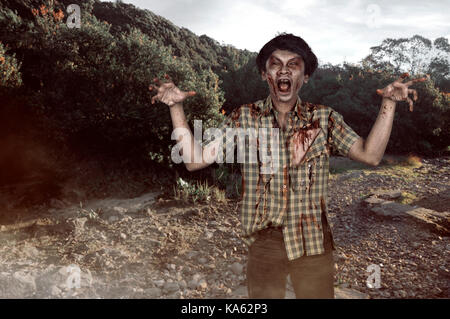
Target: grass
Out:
[90,214]
[198,192]
[408,198]
[396,166]
[339,165]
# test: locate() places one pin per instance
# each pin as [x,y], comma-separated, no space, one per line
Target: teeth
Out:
[284,81]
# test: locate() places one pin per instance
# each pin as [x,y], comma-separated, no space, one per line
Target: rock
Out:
[171,266]
[65,278]
[350,175]
[202,284]
[388,194]
[438,222]
[237,268]
[17,285]
[123,236]
[113,219]
[389,209]
[372,200]
[159,283]
[182,283]
[202,260]
[55,291]
[240,292]
[79,223]
[192,254]
[209,235]
[170,287]
[192,284]
[347,293]
[196,277]
[30,251]
[153,292]
[120,210]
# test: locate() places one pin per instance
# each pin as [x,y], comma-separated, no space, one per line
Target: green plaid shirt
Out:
[293,197]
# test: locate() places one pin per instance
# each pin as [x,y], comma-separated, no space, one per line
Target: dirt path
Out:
[160,248]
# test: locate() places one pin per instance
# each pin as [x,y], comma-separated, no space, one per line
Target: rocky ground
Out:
[153,247]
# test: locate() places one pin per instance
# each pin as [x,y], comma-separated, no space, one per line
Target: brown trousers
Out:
[268,267]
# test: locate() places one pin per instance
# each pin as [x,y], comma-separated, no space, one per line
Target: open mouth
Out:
[284,85]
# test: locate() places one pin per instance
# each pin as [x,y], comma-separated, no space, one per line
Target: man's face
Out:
[285,74]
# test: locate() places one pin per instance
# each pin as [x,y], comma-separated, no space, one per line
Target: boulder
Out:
[438,222]
[17,285]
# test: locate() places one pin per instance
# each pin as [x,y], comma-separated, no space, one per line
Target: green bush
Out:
[10,76]
[93,85]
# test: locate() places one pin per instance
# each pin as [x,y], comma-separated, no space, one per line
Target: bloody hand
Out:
[168,92]
[398,91]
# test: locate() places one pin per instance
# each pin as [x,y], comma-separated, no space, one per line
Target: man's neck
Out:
[284,107]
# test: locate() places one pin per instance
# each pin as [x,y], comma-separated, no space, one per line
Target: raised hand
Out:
[398,91]
[167,92]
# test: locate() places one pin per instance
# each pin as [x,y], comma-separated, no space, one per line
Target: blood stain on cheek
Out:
[272,84]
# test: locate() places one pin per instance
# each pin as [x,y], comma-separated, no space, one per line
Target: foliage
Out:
[89,86]
[350,89]
[197,192]
[10,76]
[92,84]
[416,55]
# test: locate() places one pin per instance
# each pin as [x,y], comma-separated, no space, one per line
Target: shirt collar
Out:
[300,109]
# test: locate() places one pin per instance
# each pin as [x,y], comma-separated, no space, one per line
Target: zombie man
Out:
[284,211]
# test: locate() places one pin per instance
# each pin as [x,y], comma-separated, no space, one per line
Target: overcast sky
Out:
[337,30]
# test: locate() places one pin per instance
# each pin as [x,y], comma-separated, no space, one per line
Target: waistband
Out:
[271,230]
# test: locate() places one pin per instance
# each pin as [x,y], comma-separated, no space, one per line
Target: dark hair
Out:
[291,43]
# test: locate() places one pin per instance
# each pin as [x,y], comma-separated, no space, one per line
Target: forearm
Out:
[378,138]
[190,148]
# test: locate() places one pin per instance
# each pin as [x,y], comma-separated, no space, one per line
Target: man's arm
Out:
[371,150]
[171,95]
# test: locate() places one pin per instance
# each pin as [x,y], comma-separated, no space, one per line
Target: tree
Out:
[416,55]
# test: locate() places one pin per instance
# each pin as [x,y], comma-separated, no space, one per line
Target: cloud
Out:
[335,29]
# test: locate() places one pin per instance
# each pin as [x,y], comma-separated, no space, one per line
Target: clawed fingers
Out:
[402,77]
[403,88]
[387,91]
[155,98]
[167,92]
[156,81]
[398,91]
[416,80]
[414,93]
[410,102]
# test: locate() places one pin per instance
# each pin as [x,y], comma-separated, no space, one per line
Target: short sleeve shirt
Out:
[274,190]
